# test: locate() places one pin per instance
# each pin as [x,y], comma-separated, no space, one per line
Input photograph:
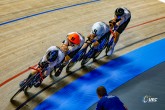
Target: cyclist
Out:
[99,31]
[119,23]
[54,57]
[73,42]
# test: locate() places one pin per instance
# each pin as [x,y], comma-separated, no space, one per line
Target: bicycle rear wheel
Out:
[70,65]
[19,90]
[96,54]
[24,88]
[88,56]
[85,60]
[107,50]
[109,46]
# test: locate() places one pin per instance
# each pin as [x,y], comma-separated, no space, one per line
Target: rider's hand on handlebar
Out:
[112,23]
[116,27]
[38,69]
[88,41]
[43,64]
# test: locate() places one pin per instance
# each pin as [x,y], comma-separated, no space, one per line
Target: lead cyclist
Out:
[120,21]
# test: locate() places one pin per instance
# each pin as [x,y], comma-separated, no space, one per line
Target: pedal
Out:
[37,84]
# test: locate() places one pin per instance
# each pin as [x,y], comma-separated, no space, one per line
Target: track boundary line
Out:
[48,11]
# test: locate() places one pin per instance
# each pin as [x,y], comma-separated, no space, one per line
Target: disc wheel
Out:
[84,61]
[70,65]
[107,50]
[96,54]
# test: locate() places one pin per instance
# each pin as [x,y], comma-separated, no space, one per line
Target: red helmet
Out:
[74,38]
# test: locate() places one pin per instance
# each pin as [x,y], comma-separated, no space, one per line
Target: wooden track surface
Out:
[24,42]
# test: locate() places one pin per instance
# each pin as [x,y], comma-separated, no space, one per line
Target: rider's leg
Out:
[66,61]
[117,33]
[58,72]
[99,41]
[61,65]
[96,44]
[114,43]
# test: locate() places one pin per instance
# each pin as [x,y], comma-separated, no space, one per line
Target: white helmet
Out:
[97,29]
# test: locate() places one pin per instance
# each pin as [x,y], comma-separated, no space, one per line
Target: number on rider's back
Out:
[72,38]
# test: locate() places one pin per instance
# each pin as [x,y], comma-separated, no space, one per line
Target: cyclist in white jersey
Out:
[120,21]
[73,42]
[100,31]
[53,57]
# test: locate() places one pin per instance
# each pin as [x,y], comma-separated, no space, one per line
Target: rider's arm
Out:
[112,23]
[121,21]
[65,48]
[90,37]
[43,64]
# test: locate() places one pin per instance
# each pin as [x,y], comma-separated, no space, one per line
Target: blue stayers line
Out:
[48,11]
[81,93]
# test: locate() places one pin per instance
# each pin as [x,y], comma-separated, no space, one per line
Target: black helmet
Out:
[119,12]
[52,55]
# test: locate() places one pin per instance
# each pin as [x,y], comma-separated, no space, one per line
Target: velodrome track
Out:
[29,27]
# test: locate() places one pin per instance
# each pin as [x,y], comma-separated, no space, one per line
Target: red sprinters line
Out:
[145,22]
[8,80]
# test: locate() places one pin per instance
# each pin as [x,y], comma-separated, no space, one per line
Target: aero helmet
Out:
[52,55]
[74,38]
[97,29]
[119,12]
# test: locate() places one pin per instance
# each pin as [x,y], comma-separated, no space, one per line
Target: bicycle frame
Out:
[110,42]
[29,82]
[81,53]
[78,57]
[38,71]
[91,53]
[38,75]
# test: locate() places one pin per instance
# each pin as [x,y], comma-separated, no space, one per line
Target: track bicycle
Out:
[30,81]
[77,57]
[94,52]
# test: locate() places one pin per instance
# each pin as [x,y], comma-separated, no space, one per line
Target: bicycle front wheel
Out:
[19,90]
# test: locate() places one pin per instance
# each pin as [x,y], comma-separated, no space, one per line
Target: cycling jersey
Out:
[51,65]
